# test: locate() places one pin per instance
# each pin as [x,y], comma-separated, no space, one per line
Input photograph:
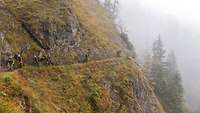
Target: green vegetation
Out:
[78,88]
[7,79]
[98,25]
[5,109]
[41,24]
[163,72]
[102,85]
[128,44]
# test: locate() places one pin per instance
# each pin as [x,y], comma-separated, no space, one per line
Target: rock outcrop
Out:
[67,31]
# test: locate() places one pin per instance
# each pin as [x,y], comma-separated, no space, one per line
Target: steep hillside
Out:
[107,86]
[64,29]
[67,30]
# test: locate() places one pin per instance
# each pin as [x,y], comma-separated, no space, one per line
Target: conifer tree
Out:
[175,89]
[158,68]
[165,74]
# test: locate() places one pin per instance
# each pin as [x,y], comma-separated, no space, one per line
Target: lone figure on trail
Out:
[86,58]
[119,53]
[86,55]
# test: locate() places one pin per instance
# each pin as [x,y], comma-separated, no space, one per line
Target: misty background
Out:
[178,23]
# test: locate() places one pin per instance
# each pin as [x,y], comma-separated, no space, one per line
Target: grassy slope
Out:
[99,32]
[78,88]
[97,22]
[14,35]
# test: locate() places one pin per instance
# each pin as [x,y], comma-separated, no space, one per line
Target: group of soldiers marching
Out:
[42,58]
[15,61]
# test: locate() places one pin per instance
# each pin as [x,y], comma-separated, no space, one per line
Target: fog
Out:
[178,23]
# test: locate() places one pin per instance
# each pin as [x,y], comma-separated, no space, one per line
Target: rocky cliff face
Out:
[66,30]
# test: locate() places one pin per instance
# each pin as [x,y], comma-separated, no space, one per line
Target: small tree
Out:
[129,46]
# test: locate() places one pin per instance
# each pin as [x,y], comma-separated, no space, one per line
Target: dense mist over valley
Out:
[144,22]
[99,56]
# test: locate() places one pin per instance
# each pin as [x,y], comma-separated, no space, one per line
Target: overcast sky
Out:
[187,10]
[178,22]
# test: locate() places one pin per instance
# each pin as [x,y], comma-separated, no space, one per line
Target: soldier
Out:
[119,53]
[36,60]
[48,59]
[40,58]
[18,58]
[86,57]
[41,54]
[43,58]
[10,62]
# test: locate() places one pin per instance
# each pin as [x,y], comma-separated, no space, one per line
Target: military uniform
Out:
[19,60]
[10,63]
[119,53]
[36,60]
[43,58]
[85,56]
